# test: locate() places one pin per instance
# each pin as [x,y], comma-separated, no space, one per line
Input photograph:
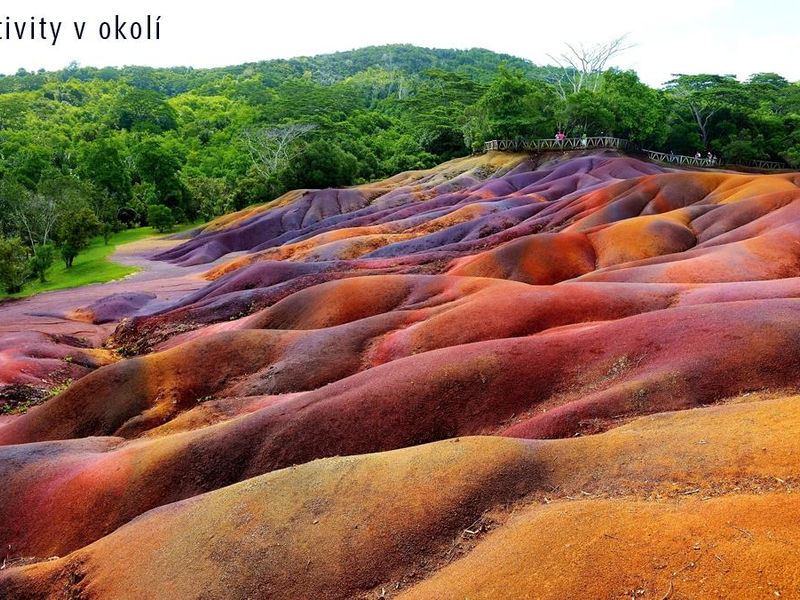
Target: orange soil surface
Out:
[500,378]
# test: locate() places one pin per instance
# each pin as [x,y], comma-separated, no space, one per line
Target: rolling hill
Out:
[508,376]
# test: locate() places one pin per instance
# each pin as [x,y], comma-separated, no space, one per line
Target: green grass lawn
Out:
[90,266]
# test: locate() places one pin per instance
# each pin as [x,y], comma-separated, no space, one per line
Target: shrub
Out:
[14,266]
[75,230]
[41,260]
[160,217]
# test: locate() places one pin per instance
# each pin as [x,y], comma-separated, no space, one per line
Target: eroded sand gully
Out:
[503,377]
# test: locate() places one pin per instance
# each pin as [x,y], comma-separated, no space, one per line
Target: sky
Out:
[678,36]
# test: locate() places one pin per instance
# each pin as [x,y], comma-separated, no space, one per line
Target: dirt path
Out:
[48,312]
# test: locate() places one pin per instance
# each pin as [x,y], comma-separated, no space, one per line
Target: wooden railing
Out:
[540,144]
[680,159]
[766,164]
[529,144]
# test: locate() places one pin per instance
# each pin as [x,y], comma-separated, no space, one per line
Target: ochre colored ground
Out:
[500,378]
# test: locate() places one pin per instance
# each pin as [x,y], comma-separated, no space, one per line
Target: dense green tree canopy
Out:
[638,113]
[513,106]
[142,110]
[118,141]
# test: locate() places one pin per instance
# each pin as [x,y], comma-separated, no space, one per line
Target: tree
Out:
[379,83]
[36,216]
[639,111]
[513,106]
[143,110]
[580,67]
[399,152]
[102,162]
[771,81]
[704,96]
[13,110]
[13,264]
[438,110]
[12,196]
[144,194]
[159,162]
[271,149]
[744,147]
[75,229]
[160,217]
[322,164]
[587,112]
[213,197]
[107,231]
[41,260]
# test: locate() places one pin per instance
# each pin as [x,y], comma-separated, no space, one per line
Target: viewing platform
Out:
[680,159]
[615,143]
[529,144]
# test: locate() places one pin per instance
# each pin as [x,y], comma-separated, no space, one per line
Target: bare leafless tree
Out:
[272,148]
[37,216]
[580,66]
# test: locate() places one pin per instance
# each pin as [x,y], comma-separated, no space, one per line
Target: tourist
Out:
[584,140]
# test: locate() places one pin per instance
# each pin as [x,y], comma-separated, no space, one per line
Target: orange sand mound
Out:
[454,383]
[631,508]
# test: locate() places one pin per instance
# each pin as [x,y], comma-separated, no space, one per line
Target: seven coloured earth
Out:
[571,375]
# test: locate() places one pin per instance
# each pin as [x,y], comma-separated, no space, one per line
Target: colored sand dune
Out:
[500,378]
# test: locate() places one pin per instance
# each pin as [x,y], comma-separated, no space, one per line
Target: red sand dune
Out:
[292,424]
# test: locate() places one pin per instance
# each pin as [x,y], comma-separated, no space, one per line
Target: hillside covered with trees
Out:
[86,151]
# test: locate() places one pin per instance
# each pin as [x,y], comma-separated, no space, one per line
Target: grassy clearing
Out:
[90,266]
